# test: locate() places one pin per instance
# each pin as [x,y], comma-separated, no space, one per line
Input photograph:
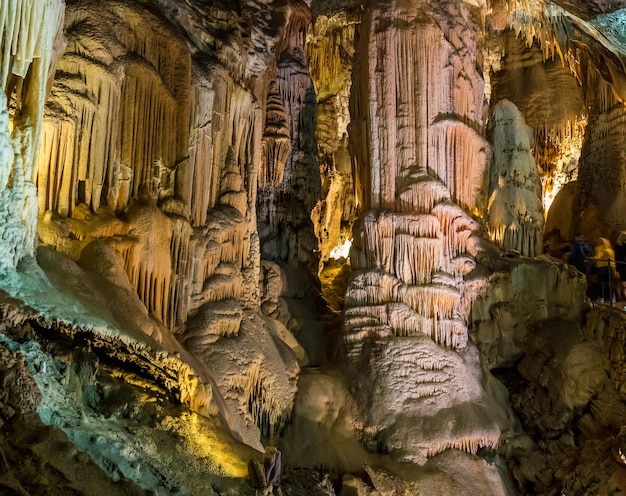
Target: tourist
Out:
[580,254]
[620,262]
[605,263]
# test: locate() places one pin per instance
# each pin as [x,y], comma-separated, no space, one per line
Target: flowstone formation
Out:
[147,187]
[414,373]
[515,212]
[190,167]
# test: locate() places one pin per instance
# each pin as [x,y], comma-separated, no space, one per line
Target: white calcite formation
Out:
[31,37]
[150,153]
[190,167]
[409,271]
[515,211]
[531,81]
[416,377]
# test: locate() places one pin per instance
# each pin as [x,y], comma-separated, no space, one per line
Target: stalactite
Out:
[467,444]
[286,231]
[148,260]
[455,140]
[276,145]
[28,30]
[147,123]
[181,252]
[328,45]
[128,113]
[266,411]
[231,185]
[78,151]
[203,176]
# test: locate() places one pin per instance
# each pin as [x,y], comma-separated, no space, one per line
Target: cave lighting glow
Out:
[342,250]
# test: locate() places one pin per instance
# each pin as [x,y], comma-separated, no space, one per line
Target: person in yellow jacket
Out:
[605,264]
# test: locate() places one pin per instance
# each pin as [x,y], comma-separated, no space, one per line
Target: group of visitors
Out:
[604,266]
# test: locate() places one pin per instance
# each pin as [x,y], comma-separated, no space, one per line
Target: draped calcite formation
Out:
[118,109]
[418,248]
[409,270]
[515,212]
[602,161]
[30,37]
[284,209]
[153,146]
[416,134]
[330,48]
[404,119]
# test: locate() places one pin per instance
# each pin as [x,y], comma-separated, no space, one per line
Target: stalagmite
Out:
[416,134]
[515,209]
[558,131]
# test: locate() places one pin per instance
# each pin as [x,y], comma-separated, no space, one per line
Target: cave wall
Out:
[188,168]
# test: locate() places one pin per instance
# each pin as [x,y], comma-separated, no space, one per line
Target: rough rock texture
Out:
[568,397]
[133,429]
[190,167]
[518,297]
[603,156]
[36,456]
